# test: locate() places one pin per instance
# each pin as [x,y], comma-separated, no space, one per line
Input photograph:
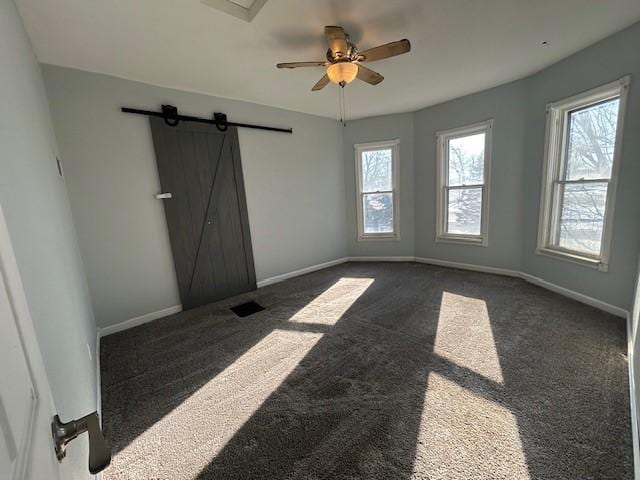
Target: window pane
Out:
[592,138]
[378,212]
[582,217]
[376,170]
[464,211]
[466,160]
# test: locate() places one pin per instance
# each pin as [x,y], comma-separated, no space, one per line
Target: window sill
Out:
[379,237]
[573,258]
[462,240]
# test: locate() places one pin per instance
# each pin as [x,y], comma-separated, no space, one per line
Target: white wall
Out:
[294,184]
[36,207]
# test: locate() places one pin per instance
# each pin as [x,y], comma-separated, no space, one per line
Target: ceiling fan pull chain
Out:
[344,108]
[341,97]
[341,101]
[341,107]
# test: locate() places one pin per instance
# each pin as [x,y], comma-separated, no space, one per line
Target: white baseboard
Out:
[633,401]
[149,317]
[134,322]
[98,377]
[302,271]
[580,297]
[102,332]
[381,259]
[614,310]
[468,266]
[599,304]
[98,476]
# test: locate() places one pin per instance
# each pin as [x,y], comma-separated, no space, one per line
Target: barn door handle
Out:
[160,196]
[99,448]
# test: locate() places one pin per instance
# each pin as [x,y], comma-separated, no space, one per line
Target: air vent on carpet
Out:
[246,309]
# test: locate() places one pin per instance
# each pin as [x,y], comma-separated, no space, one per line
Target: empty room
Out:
[319,239]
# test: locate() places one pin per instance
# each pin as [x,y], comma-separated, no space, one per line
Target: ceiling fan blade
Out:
[321,83]
[301,64]
[367,75]
[385,51]
[337,40]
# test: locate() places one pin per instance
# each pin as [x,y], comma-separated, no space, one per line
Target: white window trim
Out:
[395,160]
[442,154]
[557,113]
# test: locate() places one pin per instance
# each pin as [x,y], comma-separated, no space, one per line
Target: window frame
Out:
[442,183]
[554,163]
[360,148]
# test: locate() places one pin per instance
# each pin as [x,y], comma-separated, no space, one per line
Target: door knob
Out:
[99,448]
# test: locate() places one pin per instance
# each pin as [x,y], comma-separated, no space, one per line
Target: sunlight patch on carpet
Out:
[465,336]
[196,431]
[328,308]
[454,429]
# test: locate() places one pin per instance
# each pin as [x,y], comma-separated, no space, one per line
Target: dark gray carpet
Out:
[378,371]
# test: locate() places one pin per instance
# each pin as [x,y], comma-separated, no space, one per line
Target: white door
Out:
[26,410]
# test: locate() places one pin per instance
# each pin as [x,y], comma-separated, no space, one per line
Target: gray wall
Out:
[601,63]
[506,105]
[294,183]
[301,188]
[374,129]
[36,207]
[518,110]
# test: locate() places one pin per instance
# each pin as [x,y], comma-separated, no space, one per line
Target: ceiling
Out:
[459,46]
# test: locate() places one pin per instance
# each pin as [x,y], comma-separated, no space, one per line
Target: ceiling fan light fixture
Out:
[344,60]
[342,73]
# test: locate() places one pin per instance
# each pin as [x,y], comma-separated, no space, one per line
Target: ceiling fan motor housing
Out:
[351,55]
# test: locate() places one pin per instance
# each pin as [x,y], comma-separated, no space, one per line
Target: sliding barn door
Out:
[207,212]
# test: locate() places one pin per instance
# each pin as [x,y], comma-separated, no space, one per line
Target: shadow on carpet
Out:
[377,371]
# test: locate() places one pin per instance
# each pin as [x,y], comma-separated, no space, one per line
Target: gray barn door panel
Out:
[207,213]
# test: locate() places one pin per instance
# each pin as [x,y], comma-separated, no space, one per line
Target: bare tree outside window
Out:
[581,167]
[376,170]
[585,176]
[464,186]
[463,163]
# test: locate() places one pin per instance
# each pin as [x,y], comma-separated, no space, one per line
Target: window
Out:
[580,173]
[463,159]
[378,202]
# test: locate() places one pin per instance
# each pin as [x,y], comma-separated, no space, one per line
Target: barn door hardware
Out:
[171,117]
[170,114]
[221,121]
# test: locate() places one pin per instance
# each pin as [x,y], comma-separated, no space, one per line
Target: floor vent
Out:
[246,309]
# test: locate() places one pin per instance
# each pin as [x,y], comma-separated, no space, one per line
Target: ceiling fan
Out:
[344,60]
